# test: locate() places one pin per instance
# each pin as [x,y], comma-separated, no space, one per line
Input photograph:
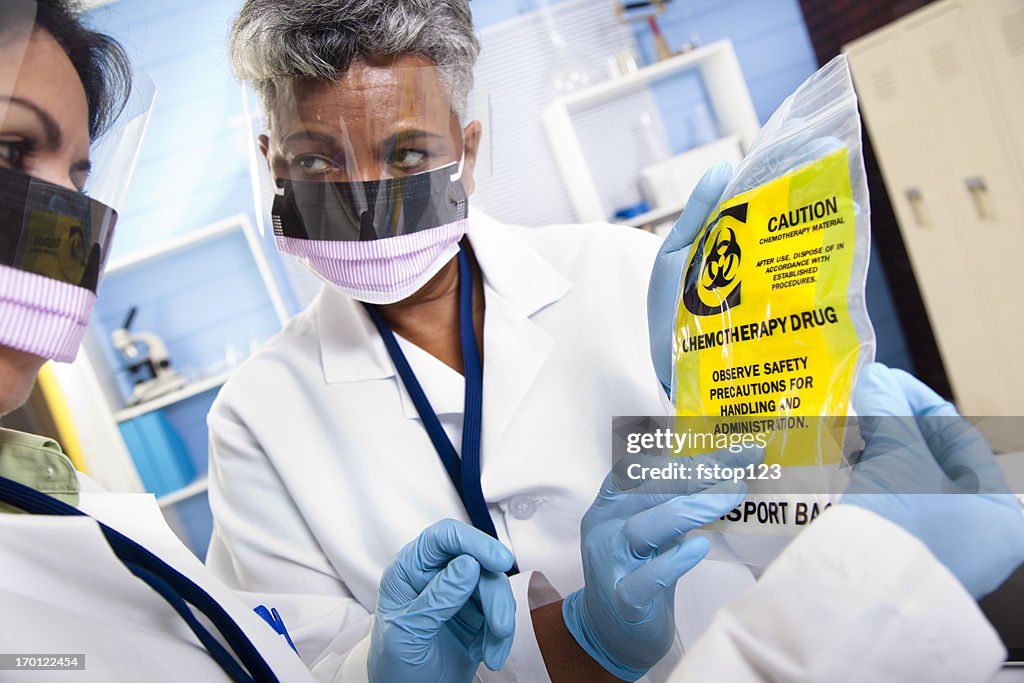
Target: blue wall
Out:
[193,168]
[206,302]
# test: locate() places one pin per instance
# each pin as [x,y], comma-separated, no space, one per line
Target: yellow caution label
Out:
[55,245]
[763,331]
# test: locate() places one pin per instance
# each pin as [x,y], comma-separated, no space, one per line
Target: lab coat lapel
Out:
[518,284]
[352,351]
[350,348]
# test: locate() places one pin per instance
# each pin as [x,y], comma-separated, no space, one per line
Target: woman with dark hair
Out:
[73,580]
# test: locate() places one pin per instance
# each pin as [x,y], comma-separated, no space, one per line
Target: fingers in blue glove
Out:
[449,538]
[642,586]
[649,530]
[444,540]
[444,596]
[879,393]
[961,451]
[702,201]
[935,432]
[499,611]
[884,414]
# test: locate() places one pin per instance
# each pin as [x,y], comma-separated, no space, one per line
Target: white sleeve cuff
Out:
[350,667]
[886,564]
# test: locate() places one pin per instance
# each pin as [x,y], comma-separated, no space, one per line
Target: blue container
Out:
[159,453]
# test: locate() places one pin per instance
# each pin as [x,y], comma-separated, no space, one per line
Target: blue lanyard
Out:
[464,472]
[174,587]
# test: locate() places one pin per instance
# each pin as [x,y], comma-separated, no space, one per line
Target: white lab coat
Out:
[63,591]
[320,469]
[854,598]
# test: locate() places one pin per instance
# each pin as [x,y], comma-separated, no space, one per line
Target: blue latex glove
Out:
[667,274]
[624,616]
[934,475]
[445,605]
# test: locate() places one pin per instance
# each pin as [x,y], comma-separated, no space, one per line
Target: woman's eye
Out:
[13,152]
[312,163]
[408,158]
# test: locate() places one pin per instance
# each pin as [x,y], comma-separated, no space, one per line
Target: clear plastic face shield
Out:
[381,152]
[61,187]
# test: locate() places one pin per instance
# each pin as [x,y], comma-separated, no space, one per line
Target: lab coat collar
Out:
[352,351]
[512,268]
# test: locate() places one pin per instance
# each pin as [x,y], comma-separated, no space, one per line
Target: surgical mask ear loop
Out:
[455,177]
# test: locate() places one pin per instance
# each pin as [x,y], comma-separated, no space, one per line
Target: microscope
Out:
[146,361]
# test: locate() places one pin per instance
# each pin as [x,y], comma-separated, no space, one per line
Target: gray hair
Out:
[275,40]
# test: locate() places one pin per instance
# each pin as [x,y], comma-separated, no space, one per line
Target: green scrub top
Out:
[38,462]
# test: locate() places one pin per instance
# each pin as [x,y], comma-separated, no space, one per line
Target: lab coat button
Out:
[523,507]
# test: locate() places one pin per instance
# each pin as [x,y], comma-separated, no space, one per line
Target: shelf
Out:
[189,239]
[654,217]
[196,488]
[189,391]
[615,87]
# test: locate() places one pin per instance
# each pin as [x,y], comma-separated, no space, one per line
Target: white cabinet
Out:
[941,94]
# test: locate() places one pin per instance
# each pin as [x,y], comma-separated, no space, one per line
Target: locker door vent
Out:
[1013,32]
[884,83]
[944,60]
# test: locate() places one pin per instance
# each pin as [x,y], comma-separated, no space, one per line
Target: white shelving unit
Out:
[193,389]
[196,488]
[96,402]
[727,92]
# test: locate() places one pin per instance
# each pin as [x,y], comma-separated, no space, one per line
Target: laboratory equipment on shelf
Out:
[147,362]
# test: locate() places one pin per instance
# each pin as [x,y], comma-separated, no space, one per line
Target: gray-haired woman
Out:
[453,368]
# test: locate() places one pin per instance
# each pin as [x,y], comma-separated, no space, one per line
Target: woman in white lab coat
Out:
[323,461]
[125,609]
[70,588]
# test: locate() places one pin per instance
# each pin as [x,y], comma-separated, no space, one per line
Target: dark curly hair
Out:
[102,64]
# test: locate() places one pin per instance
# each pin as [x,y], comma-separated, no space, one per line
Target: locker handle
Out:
[915,198]
[978,190]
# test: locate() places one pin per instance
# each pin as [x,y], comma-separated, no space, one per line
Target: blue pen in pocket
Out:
[276,622]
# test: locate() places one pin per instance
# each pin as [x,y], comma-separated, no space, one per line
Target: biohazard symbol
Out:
[76,243]
[723,261]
